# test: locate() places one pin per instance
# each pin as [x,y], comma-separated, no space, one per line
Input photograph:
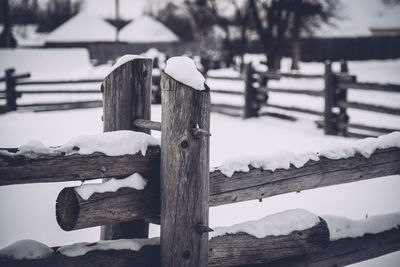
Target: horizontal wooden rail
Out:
[290,91]
[225,78]
[369,107]
[59,168]
[344,251]
[371,128]
[147,124]
[307,248]
[42,82]
[64,91]
[371,86]
[278,75]
[226,92]
[61,106]
[226,106]
[127,204]
[22,76]
[258,183]
[302,110]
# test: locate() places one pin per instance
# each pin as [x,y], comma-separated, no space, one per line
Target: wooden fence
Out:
[12,93]
[334,118]
[181,188]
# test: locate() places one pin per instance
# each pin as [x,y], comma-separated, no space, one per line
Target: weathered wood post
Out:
[250,93]
[126,97]
[329,116]
[11,94]
[343,118]
[184,174]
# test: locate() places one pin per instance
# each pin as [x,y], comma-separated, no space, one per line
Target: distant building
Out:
[385,31]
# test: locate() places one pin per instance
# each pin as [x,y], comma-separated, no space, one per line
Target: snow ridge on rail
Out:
[365,147]
[111,143]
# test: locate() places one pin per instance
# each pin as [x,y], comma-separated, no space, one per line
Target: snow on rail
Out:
[282,223]
[286,222]
[135,181]
[111,143]
[183,69]
[365,147]
[79,249]
[26,249]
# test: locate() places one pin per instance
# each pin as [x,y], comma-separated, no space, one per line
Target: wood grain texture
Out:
[241,248]
[43,168]
[127,204]
[184,174]
[258,183]
[147,124]
[343,252]
[127,97]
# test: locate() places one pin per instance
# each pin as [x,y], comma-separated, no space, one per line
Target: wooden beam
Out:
[227,92]
[60,91]
[241,248]
[224,78]
[343,252]
[42,82]
[369,107]
[278,75]
[127,204]
[127,97]
[184,174]
[291,91]
[258,183]
[296,109]
[44,168]
[370,86]
[61,105]
[147,124]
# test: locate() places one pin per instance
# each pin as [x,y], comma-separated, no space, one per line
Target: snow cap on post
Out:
[184,70]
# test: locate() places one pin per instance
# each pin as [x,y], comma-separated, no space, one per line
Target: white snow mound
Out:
[282,223]
[184,70]
[26,249]
[135,181]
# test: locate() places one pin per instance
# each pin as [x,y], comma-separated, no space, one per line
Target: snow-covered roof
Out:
[83,27]
[146,29]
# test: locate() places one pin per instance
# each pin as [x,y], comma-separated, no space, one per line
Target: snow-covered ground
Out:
[230,137]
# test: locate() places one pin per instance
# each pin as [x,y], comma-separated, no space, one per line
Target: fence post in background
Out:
[250,94]
[329,116]
[184,174]
[126,97]
[11,94]
[343,118]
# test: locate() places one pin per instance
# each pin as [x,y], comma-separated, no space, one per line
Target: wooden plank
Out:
[302,110]
[184,174]
[38,107]
[227,92]
[258,183]
[127,97]
[369,107]
[148,256]
[224,78]
[43,168]
[372,128]
[241,248]
[371,86]
[147,124]
[277,75]
[127,204]
[290,91]
[226,106]
[22,76]
[343,252]
[251,107]
[43,82]
[60,91]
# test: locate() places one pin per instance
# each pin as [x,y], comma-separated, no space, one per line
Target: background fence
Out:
[180,188]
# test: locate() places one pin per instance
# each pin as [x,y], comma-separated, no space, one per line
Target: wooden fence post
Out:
[184,174]
[250,94]
[11,94]
[342,118]
[329,116]
[126,97]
